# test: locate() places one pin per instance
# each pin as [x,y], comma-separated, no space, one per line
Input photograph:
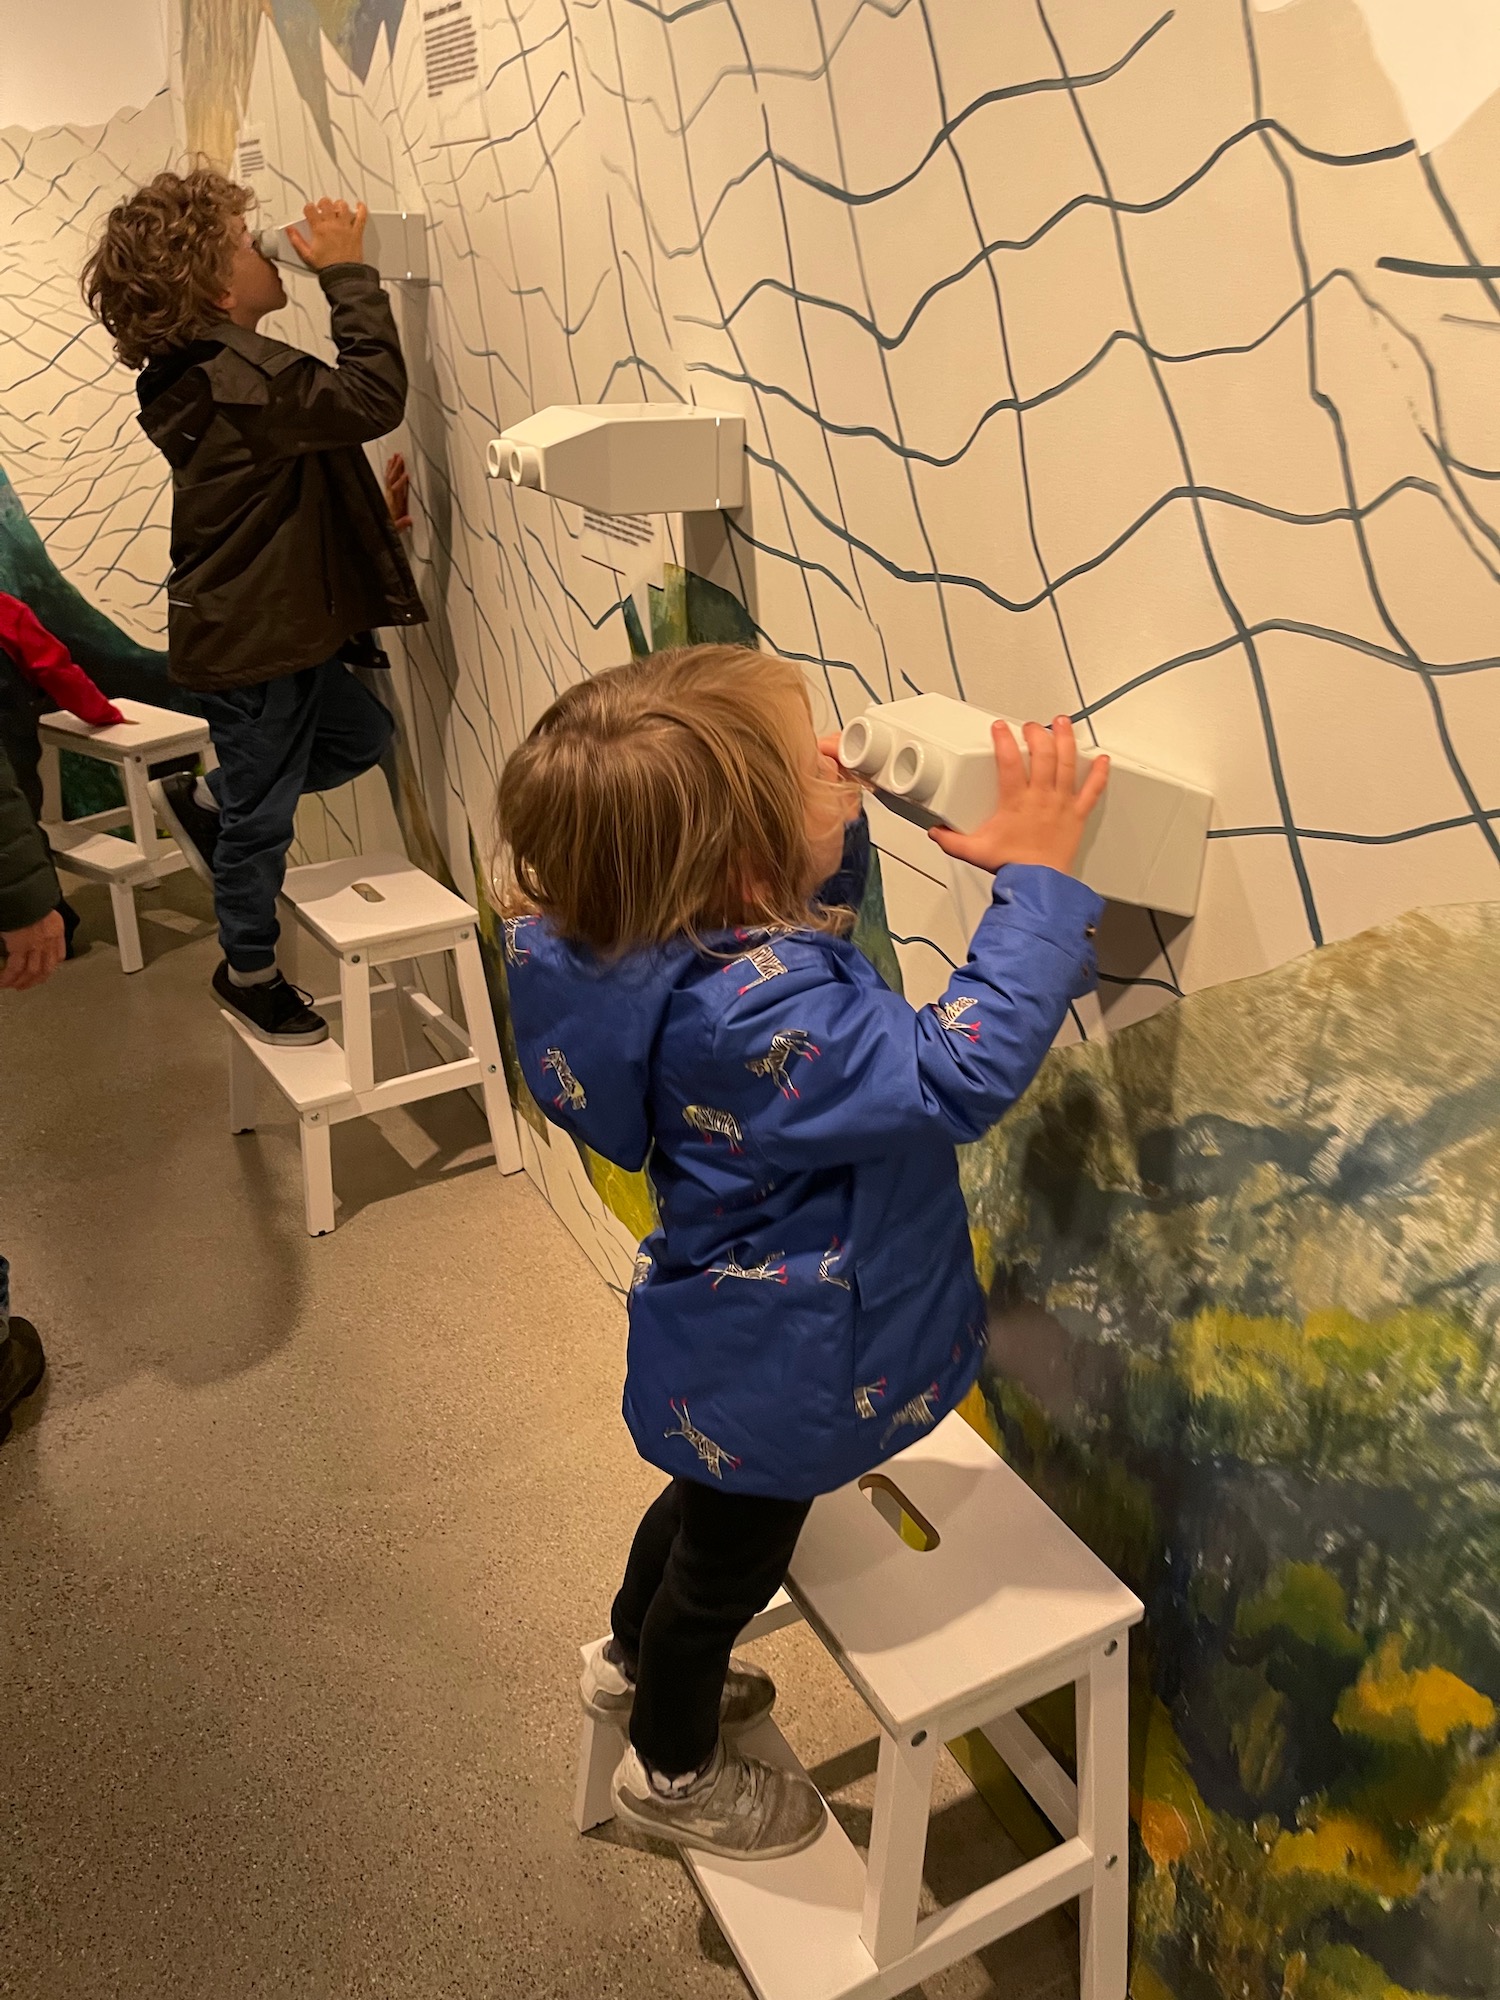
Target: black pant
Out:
[702,1564]
[307,732]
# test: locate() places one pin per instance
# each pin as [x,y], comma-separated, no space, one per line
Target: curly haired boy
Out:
[284,552]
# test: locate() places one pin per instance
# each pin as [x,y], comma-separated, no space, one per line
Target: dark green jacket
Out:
[282,544]
[28,881]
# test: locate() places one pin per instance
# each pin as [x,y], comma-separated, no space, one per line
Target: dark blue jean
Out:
[307,732]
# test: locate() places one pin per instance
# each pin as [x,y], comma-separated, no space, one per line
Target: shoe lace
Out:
[749,1782]
[283,985]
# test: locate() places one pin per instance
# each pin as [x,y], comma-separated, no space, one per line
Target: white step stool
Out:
[87,846]
[373,910]
[1008,1606]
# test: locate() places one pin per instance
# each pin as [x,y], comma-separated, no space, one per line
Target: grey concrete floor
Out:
[298,1543]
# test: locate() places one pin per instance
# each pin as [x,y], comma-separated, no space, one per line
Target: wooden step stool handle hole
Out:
[898,1513]
[368,890]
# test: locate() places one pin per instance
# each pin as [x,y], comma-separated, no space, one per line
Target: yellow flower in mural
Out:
[977,1413]
[1349,1849]
[1303,1599]
[1391,1705]
[984,1253]
[1339,1972]
[1469,1819]
[1173,1817]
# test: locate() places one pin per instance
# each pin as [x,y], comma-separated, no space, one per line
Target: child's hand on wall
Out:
[335,234]
[398,491]
[1042,812]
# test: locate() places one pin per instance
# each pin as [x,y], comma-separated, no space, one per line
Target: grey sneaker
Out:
[740,1807]
[609,1696]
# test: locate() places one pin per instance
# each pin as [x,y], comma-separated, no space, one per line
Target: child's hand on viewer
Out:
[335,234]
[1041,816]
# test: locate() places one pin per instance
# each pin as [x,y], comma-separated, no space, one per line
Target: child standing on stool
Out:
[284,551]
[682,993]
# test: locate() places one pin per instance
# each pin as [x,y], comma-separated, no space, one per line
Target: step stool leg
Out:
[244,1073]
[127,930]
[898,1846]
[134,775]
[1103,1708]
[486,1045]
[402,973]
[359,1044]
[317,1173]
[52,808]
[599,1753]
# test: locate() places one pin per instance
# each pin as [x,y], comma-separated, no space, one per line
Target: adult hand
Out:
[398,491]
[335,234]
[33,953]
[1042,812]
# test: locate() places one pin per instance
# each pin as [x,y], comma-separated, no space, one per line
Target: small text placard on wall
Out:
[453,58]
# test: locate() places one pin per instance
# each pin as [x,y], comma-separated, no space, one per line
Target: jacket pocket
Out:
[905,1221]
[248,703]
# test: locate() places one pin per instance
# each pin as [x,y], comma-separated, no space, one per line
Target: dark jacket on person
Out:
[28,881]
[282,544]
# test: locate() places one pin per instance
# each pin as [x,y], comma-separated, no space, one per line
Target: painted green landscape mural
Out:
[1245,1275]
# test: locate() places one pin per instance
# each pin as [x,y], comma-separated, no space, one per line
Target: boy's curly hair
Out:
[162,261]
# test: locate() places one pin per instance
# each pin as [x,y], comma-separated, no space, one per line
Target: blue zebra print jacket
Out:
[808,1305]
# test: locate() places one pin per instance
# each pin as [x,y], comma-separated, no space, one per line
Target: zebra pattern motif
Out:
[570,1092]
[776,1062]
[918,1413]
[765,1272]
[951,1014]
[711,1123]
[714,1456]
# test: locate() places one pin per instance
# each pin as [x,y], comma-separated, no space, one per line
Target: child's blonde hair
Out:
[664,799]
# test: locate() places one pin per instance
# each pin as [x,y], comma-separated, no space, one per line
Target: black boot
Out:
[22,1366]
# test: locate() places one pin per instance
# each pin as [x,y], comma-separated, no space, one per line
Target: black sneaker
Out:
[22,1366]
[275,1011]
[196,831]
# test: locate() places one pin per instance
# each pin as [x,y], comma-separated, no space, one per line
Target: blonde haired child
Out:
[683,999]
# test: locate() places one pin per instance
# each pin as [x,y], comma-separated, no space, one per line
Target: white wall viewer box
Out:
[627,458]
[931,759]
[395,243]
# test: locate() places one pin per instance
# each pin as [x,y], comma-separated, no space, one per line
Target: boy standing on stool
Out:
[284,554]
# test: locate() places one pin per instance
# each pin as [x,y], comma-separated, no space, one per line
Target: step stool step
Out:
[794,1925]
[310,1079]
[371,900]
[101,854]
[153,733]
[938,1639]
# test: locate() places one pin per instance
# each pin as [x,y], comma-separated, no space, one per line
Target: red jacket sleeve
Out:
[47,663]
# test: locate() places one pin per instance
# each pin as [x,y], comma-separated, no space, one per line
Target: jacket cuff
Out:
[27,902]
[1055,905]
[344,271]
